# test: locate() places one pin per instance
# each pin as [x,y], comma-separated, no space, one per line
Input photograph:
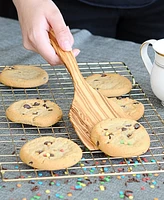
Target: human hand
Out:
[36,19]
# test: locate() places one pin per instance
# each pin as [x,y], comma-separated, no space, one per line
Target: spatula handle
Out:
[67,58]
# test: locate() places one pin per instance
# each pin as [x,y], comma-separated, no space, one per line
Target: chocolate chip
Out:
[127,193]
[35,113]
[11,67]
[124,129]
[23,139]
[50,109]
[123,106]
[30,163]
[13,152]
[136,103]
[47,143]
[39,152]
[110,135]
[136,126]
[103,75]
[36,104]
[128,125]
[27,106]
[119,98]
[51,155]
[130,180]
[129,135]
[35,188]
[98,143]
[44,105]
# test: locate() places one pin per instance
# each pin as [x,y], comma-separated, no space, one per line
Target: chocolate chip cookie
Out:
[132,108]
[23,76]
[120,137]
[110,85]
[50,153]
[36,112]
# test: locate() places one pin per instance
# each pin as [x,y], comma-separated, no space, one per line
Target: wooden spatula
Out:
[88,106]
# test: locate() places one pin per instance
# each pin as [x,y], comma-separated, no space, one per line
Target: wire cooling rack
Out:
[93,163]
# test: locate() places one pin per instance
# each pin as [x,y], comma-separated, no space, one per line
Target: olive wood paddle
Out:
[88,106]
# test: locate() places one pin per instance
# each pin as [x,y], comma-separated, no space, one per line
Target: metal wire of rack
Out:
[94,163]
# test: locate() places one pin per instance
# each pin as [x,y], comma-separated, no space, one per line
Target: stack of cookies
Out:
[119,137]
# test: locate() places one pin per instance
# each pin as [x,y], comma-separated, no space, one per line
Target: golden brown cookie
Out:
[110,85]
[23,76]
[36,112]
[120,137]
[132,108]
[50,153]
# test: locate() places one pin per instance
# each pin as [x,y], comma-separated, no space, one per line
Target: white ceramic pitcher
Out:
[155,69]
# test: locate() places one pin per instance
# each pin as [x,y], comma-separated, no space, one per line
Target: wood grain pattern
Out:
[88,106]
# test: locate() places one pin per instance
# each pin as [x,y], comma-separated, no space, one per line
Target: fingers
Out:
[75,52]
[47,51]
[62,32]
[35,23]
[63,36]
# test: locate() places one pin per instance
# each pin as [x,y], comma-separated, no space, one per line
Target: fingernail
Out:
[76,53]
[66,45]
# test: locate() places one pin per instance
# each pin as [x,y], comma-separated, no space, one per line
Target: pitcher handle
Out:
[145,56]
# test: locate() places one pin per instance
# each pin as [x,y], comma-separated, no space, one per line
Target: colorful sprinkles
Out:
[129,186]
[146,182]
